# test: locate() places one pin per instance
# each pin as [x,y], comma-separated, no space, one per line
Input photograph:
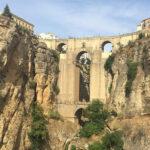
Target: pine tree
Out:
[7,12]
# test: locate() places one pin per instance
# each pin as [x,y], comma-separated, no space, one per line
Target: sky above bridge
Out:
[75,18]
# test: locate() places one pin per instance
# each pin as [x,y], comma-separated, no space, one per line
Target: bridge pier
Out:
[62,81]
[95,76]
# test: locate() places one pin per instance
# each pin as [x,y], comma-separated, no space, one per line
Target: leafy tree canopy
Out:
[97,117]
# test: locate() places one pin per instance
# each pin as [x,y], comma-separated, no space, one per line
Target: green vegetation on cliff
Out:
[141,36]
[91,128]
[110,88]
[97,117]
[22,30]
[109,141]
[131,75]
[54,115]
[108,64]
[38,134]
[73,147]
[32,84]
[55,55]
[56,89]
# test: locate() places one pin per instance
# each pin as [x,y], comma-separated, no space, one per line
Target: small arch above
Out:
[62,47]
[107,46]
[78,115]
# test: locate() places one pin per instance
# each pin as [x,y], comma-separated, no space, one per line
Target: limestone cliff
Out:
[28,72]
[132,104]
[138,101]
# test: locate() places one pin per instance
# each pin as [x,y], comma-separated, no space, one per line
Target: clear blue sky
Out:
[81,17]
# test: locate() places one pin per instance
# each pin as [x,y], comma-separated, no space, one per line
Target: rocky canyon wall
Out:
[131,99]
[28,73]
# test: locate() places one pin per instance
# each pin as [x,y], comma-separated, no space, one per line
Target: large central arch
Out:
[78,115]
[83,62]
[107,46]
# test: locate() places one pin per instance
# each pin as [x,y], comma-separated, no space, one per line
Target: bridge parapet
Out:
[93,43]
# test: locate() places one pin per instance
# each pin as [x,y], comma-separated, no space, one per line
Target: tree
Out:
[7,12]
[95,112]
[97,117]
[111,141]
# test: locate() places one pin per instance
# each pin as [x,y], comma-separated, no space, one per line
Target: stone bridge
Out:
[68,98]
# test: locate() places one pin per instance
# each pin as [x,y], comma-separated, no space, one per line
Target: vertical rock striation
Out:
[28,72]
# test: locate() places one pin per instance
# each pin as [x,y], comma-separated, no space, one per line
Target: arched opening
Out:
[107,46]
[78,115]
[62,48]
[83,62]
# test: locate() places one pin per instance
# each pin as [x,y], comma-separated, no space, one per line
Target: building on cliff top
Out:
[21,22]
[25,24]
[144,25]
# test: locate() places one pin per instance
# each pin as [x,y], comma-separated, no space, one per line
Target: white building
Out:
[22,22]
[144,25]
[48,36]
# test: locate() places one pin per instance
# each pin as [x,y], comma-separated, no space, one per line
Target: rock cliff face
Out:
[138,102]
[133,109]
[28,72]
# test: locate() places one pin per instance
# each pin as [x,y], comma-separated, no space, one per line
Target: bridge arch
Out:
[78,115]
[107,46]
[62,47]
[83,62]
